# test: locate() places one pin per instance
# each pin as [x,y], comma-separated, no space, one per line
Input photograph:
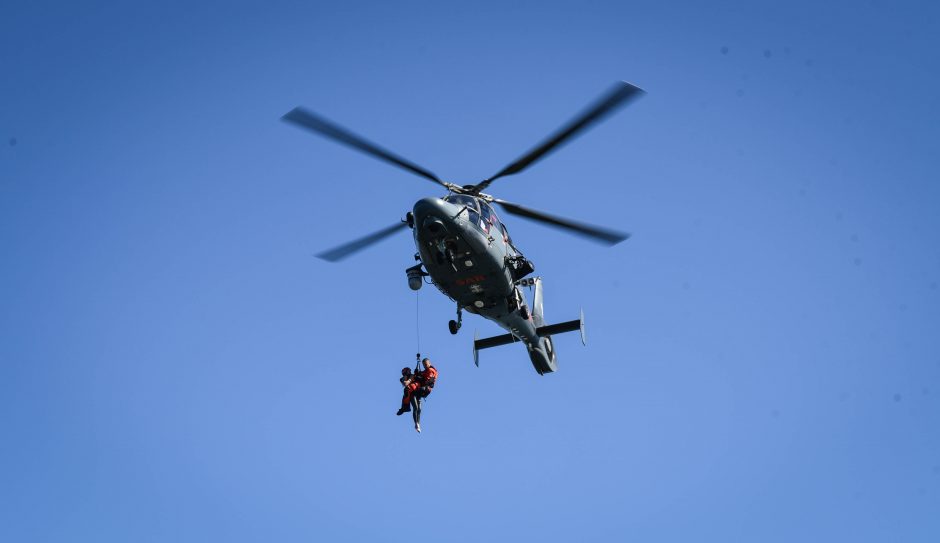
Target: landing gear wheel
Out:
[524,312]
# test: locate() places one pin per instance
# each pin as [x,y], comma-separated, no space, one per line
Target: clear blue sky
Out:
[763,361]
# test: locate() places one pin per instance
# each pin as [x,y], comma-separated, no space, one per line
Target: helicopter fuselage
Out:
[470,257]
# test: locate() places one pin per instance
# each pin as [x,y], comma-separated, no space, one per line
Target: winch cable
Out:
[416,401]
[418,329]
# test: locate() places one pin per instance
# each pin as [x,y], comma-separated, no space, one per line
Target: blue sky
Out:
[763,357]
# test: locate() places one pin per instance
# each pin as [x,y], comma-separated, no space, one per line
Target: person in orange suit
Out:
[417,386]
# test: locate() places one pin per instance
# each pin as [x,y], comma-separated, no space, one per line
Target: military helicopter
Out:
[465,248]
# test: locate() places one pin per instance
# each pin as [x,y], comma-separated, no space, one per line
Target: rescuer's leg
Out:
[406,400]
[416,412]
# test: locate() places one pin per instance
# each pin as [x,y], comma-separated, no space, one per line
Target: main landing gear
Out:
[454,326]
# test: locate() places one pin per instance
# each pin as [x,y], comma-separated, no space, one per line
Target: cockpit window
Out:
[506,238]
[474,219]
[489,215]
[462,200]
[493,215]
[486,212]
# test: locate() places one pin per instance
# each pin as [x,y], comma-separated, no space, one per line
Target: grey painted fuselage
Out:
[470,257]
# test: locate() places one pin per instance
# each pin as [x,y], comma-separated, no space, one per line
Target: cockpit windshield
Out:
[489,214]
[462,200]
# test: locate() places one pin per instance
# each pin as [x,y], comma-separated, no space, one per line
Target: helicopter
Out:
[466,250]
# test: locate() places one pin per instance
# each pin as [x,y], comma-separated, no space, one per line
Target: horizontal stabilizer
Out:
[563,327]
[488,342]
[495,341]
[559,328]
[542,331]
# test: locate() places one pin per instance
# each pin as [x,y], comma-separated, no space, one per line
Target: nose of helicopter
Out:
[432,214]
[430,207]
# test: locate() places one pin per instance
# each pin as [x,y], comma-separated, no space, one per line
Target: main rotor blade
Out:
[618,96]
[595,233]
[338,253]
[311,121]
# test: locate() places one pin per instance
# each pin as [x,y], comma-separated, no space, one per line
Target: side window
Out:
[486,212]
[495,220]
[474,218]
[506,238]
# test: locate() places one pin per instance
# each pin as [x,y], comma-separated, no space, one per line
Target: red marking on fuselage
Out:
[470,280]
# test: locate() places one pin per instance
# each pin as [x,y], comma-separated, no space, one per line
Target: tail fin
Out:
[537,317]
